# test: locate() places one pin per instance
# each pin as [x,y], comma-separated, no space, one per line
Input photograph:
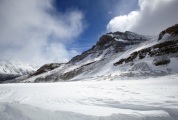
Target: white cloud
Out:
[32,30]
[152,17]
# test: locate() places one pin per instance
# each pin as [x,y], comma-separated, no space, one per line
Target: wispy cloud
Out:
[152,17]
[33,31]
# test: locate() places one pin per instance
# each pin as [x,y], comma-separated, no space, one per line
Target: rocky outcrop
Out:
[165,48]
[46,68]
[111,43]
[171,30]
[140,66]
[159,50]
[161,60]
[6,77]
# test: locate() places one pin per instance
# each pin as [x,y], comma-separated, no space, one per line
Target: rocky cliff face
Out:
[46,68]
[169,33]
[111,43]
[167,45]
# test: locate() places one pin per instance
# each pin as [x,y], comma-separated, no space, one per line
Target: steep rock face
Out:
[111,43]
[160,51]
[47,67]
[165,48]
[173,31]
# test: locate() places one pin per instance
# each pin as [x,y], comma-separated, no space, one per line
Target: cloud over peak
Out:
[152,17]
[33,31]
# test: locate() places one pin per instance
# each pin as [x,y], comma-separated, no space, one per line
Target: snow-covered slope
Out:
[10,69]
[108,46]
[150,99]
[15,67]
[121,54]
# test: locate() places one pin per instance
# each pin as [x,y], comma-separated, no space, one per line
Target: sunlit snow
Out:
[92,99]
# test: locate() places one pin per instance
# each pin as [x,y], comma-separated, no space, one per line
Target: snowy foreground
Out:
[147,99]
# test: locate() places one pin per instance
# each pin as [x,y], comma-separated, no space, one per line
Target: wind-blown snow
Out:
[92,99]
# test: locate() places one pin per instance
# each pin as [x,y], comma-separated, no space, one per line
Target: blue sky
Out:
[97,14]
[45,31]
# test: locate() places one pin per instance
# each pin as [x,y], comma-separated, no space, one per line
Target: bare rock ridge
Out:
[46,68]
[111,43]
[162,49]
[173,31]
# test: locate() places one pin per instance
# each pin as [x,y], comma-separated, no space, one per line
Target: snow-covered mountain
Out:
[100,92]
[10,69]
[120,55]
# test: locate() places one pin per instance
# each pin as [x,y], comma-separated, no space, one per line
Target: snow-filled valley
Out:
[154,98]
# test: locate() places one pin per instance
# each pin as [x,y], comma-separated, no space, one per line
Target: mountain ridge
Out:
[117,55]
[10,69]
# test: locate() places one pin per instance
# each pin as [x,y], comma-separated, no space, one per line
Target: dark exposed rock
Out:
[110,40]
[142,55]
[140,66]
[161,49]
[171,30]
[119,62]
[6,77]
[129,59]
[161,60]
[47,67]
[134,55]
[50,78]
[168,47]
[75,72]
[165,48]
[71,74]
[65,76]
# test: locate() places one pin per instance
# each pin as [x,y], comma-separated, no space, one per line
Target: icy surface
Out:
[92,99]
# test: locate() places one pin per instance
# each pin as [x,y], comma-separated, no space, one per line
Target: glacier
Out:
[154,98]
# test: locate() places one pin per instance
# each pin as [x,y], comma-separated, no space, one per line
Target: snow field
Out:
[148,99]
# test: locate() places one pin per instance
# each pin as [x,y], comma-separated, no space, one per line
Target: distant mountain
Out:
[118,55]
[10,69]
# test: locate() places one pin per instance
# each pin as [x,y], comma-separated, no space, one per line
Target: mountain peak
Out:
[110,43]
[127,35]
